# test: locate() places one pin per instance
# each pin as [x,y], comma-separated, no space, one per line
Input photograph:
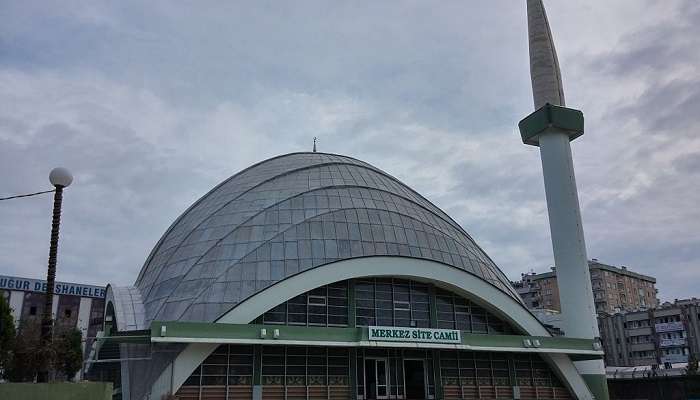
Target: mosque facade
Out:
[319,276]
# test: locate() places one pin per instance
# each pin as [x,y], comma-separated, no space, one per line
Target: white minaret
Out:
[551,127]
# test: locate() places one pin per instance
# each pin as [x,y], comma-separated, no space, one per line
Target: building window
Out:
[455,312]
[317,300]
[305,366]
[474,369]
[384,302]
[392,302]
[228,365]
[32,310]
[324,306]
[320,372]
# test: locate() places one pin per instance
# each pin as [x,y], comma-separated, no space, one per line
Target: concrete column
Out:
[16,303]
[569,246]
[437,375]
[84,317]
[124,369]
[573,277]
[353,373]
[54,306]
[257,372]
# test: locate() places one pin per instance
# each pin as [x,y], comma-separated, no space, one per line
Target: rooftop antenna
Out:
[315,138]
[551,127]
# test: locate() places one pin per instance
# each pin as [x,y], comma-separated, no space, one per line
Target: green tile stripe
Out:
[213,332]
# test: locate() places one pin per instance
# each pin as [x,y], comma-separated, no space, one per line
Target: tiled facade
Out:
[614,289]
[661,336]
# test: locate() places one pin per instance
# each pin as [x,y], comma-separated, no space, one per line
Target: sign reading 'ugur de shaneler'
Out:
[60,288]
[425,335]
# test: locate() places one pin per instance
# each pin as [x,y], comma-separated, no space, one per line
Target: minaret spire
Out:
[551,127]
[544,65]
[315,138]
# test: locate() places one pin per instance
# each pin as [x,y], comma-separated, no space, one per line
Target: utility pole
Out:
[60,178]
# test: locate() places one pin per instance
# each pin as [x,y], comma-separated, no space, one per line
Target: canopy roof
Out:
[288,214]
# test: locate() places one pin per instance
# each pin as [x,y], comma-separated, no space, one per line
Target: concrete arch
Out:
[442,275]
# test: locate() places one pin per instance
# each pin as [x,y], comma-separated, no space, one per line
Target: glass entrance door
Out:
[414,378]
[376,379]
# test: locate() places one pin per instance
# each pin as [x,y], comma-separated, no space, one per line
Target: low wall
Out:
[57,391]
[655,388]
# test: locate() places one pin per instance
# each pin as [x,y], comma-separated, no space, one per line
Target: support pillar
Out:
[437,375]
[257,372]
[353,373]
[552,128]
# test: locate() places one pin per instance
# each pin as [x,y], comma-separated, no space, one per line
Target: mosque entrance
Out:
[377,374]
[414,378]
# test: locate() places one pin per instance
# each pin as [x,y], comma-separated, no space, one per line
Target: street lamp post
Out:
[60,178]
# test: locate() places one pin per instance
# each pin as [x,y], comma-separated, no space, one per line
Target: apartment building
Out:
[614,289]
[74,305]
[662,336]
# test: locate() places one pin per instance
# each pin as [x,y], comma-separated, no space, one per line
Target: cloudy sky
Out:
[151,104]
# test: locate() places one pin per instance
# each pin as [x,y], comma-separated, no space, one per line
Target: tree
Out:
[63,356]
[68,353]
[7,336]
[28,353]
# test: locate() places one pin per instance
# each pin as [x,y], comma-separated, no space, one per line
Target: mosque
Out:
[319,276]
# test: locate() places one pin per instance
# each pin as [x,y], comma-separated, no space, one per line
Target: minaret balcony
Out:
[551,118]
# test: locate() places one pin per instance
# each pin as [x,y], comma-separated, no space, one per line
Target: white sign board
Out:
[669,327]
[672,342]
[422,335]
[38,285]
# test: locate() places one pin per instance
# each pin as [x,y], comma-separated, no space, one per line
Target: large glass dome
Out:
[289,214]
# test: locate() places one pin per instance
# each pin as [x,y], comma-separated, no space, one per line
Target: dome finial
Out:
[315,138]
[544,66]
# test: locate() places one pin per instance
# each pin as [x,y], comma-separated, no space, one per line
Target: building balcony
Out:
[649,346]
[644,330]
[642,361]
[674,358]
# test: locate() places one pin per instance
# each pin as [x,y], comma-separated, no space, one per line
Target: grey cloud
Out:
[153,104]
[688,164]
[659,48]
[637,173]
